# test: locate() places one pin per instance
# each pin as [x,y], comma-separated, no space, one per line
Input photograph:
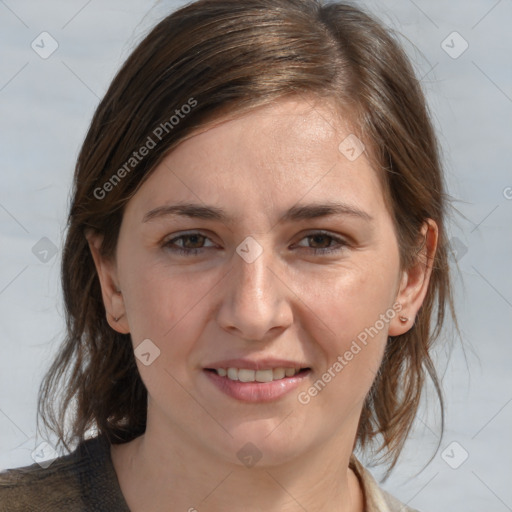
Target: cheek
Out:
[154,295]
[168,309]
[351,310]
[166,304]
[347,300]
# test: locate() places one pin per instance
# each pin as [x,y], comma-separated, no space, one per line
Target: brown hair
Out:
[226,58]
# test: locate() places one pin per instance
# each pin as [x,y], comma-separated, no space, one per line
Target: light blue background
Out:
[45,108]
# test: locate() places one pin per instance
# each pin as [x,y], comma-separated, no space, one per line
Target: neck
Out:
[155,471]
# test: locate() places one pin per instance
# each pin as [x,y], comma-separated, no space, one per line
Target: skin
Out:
[289,303]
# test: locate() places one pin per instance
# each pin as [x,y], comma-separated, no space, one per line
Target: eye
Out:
[188,244]
[324,243]
[194,243]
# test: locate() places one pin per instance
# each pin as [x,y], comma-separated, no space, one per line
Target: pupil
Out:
[195,239]
[316,239]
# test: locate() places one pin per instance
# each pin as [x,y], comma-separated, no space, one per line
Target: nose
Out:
[256,301]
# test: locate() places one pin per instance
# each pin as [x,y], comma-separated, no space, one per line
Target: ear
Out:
[414,281]
[112,295]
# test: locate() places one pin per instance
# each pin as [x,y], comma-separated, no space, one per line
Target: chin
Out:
[262,443]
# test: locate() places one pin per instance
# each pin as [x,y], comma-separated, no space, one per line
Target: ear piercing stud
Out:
[403,319]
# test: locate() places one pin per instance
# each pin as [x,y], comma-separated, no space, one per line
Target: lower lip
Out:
[257,391]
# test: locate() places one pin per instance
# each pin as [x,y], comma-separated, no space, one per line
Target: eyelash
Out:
[193,252]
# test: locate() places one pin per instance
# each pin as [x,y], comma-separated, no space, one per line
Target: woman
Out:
[255,251]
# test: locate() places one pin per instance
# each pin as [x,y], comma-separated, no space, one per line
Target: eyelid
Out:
[325,232]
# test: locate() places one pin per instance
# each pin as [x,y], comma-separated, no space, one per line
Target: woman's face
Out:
[277,252]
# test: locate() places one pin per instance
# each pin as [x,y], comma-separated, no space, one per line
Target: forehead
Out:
[280,153]
[289,128]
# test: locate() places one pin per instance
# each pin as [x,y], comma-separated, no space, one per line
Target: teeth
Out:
[232,373]
[245,375]
[264,376]
[278,373]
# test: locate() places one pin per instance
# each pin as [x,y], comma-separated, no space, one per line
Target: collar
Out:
[375,498]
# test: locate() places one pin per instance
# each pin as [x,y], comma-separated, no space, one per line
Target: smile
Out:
[262,385]
[247,375]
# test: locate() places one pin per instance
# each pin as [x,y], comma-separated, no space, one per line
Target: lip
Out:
[256,392]
[262,364]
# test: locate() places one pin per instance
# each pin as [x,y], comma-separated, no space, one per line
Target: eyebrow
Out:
[295,213]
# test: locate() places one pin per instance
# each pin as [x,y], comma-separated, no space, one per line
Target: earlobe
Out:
[107,275]
[117,319]
[415,280]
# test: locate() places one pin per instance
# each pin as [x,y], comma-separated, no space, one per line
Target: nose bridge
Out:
[253,279]
[253,301]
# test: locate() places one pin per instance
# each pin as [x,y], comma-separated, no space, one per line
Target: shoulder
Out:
[53,488]
[83,480]
[376,499]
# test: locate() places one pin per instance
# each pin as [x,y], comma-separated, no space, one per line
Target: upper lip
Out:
[261,364]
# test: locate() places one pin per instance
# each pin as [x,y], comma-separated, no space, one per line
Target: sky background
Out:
[47,103]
